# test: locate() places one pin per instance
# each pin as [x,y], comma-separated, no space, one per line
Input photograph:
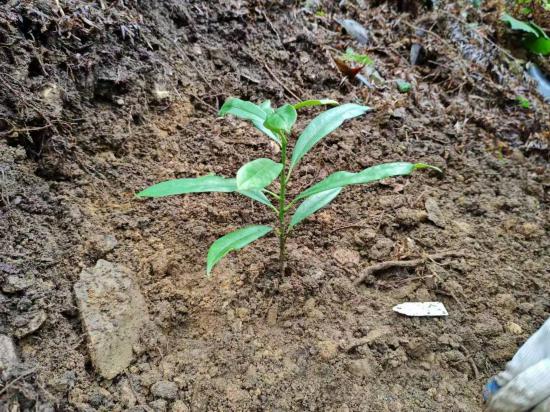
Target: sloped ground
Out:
[104,99]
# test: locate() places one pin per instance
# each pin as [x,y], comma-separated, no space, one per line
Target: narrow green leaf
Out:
[249,111]
[257,174]
[282,119]
[370,174]
[310,103]
[189,185]
[312,204]
[256,195]
[233,241]
[516,24]
[322,125]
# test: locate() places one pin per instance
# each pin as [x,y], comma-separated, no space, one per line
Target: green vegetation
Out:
[534,38]
[254,178]
[523,102]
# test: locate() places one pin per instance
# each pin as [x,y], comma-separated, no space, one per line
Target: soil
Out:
[102,99]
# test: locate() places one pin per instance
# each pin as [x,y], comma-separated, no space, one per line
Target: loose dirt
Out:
[102,99]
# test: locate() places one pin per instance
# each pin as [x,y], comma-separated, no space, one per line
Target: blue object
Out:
[490,389]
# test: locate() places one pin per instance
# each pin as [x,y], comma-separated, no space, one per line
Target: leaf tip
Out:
[418,166]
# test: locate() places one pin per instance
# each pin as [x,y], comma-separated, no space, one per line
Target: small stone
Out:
[14,284]
[327,349]
[514,328]
[29,324]
[159,405]
[361,368]
[8,357]
[101,244]
[242,313]
[179,406]
[346,256]
[165,390]
[113,313]
[272,314]
[434,212]
[381,249]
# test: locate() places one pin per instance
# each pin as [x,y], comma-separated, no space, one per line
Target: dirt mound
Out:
[104,98]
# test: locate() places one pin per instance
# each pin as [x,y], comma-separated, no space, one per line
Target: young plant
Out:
[254,178]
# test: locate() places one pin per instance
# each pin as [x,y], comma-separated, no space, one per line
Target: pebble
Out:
[159,405]
[165,390]
[179,406]
[29,324]
[8,356]
[360,368]
[327,349]
[514,328]
[14,284]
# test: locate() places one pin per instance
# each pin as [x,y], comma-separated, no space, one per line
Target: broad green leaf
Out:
[322,125]
[310,103]
[233,241]
[257,174]
[189,185]
[266,107]
[249,111]
[312,204]
[282,119]
[370,174]
[540,45]
[516,24]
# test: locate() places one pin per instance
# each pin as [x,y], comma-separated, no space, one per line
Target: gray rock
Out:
[361,368]
[355,30]
[14,284]
[159,405]
[434,212]
[165,390]
[113,314]
[8,356]
[30,323]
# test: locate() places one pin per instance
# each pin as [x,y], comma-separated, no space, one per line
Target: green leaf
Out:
[322,125]
[282,119]
[370,174]
[249,111]
[540,45]
[256,195]
[403,86]
[190,185]
[516,24]
[523,102]
[233,241]
[266,107]
[312,204]
[257,174]
[351,56]
[310,103]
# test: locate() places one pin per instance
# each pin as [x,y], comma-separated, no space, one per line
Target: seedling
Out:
[523,102]
[254,178]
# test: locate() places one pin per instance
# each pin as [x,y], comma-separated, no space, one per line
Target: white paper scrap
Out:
[421,309]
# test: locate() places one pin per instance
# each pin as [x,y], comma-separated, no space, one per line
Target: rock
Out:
[179,406]
[434,212]
[14,284]
[418,54]
[410,217]
[165,390]
[29,323]
[113,313]
[327,349]
[272,314]
[381,249]
[361,368]
[8,357]
[514,328]
[355,30]
[346,256]
[158,405]
[101,244]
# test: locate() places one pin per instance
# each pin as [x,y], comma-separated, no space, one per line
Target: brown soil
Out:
[86,123]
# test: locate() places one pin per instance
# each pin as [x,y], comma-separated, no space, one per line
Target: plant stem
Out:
[282,208]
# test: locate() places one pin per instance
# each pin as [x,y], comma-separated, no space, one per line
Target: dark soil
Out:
[102,99]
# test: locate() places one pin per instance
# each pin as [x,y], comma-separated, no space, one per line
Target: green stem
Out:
[282,208]
[269,192]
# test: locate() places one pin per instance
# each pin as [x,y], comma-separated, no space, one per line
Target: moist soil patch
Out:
[102,99]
